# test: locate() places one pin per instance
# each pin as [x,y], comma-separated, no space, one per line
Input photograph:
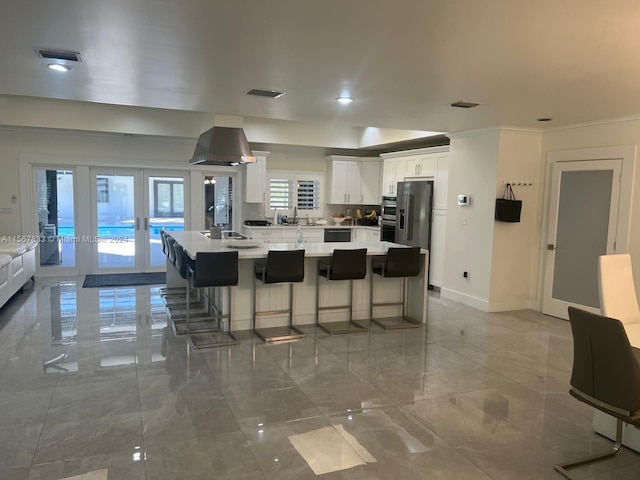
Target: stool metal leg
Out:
[338,328]
[218,337]
[276,334]
[394,323]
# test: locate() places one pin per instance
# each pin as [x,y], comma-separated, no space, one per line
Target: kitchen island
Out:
[274,297]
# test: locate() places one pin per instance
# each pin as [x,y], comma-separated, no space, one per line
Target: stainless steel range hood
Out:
[222,146]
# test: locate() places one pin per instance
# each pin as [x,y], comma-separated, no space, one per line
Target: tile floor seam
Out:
[44,421]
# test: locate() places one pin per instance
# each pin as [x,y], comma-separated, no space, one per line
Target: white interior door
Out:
[583,219]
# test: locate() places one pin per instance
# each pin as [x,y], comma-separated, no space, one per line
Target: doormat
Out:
[124,279]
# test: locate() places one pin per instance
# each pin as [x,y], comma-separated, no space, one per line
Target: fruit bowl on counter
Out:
[338,220]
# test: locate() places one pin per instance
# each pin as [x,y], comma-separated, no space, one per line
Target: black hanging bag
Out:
[508,208]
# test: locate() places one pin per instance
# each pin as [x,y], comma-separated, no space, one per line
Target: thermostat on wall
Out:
[464,200]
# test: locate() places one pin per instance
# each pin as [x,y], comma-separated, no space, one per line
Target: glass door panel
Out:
[218,195]
[117,224]
[166,202]
[56,217]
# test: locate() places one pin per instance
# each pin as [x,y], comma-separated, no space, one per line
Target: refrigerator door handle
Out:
[409,232]
[401,220]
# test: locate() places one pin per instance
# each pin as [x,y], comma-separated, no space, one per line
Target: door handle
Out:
[146,223]
[137,223]
[551,246]
[409,231]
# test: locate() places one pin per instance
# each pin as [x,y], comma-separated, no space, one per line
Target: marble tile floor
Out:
[93,383]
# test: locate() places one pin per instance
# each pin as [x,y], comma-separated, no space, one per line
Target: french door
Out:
[583,221]
[129,208]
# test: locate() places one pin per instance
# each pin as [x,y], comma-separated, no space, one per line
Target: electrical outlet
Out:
[14,198]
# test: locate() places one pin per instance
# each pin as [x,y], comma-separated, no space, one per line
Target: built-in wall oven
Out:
[388,231]
[388,214]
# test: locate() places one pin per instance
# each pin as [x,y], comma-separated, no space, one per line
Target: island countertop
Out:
[194,241]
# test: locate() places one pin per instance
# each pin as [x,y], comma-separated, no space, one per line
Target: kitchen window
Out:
[302,190]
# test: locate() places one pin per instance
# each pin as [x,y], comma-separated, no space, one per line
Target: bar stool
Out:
[169,248]
[212,270]
[285,266]
[399,262]
[179,305]
[344,265]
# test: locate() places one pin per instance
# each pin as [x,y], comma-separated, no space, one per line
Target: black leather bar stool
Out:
[185,304]
[398,263]
[173,294]
[347,265]
[212,271]
[281,266]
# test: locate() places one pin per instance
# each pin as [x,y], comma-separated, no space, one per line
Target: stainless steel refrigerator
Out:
[413,213]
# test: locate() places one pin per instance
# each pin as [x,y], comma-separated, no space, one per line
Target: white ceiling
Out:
[404,61]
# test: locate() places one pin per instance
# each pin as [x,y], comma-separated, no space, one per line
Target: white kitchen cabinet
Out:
[365,234]
[441,184]
[270,235]
[421,166]
[370,175]
[309,235]
[392,173]
[372,235]
[255,179]
[344,180]
[436,252]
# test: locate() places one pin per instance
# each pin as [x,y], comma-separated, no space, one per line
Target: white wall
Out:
[514,271]
[473,169]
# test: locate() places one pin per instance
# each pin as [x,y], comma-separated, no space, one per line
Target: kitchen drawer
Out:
[264,235]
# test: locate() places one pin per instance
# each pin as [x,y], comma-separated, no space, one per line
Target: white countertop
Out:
[289,227]
[194,242]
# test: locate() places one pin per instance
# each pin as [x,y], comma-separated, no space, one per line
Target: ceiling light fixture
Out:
[344,100]
[58,67]
[209,180]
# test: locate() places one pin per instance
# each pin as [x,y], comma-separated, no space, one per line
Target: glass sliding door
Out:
[165,210]
[117,227]
[56,217]
[130,208]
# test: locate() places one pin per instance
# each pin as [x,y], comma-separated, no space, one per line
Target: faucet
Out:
[295,214]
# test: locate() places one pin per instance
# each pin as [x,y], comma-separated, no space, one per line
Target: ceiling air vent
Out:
[462,104]
[63,55]
[265,93]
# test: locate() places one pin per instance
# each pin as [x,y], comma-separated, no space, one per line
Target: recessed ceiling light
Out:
[344,100]
[58,67]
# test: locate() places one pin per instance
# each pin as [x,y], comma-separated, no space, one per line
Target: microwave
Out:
[388,206]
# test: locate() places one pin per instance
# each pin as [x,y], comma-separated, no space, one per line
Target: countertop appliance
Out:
[413,217]
[337,235]
[257,223]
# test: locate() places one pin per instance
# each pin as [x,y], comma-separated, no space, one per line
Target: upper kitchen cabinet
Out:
[393,172]
[370,174]
[441,184]
[255,179]
[352,181]
[421,166]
